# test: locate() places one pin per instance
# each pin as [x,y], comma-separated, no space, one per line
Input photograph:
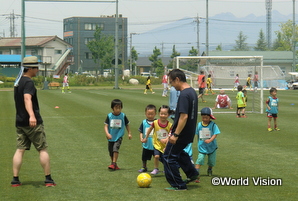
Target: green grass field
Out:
[79,156]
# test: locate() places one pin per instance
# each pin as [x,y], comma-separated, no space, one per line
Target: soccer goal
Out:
[224,69]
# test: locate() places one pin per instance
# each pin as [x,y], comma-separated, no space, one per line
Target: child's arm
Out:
[108,135]
[267,104]
[211,139]
[128,130]
[147,134]
[141,137]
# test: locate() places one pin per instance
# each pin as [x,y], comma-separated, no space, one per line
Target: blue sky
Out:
[45,18]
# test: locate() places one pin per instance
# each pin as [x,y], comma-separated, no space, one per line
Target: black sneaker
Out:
[49,183]
[193,178]
[209,172]
[15,183]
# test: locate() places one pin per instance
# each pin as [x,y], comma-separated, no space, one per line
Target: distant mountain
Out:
[223,29]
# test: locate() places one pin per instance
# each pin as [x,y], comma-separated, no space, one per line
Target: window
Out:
[92,26]
[88,55]
[88,26]
[58,51]
[87,40]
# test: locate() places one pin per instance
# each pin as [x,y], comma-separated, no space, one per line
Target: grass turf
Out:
[79,156]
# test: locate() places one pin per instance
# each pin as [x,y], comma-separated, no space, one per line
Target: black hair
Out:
[116,102]
[272,90]
[150,107]
[244,91]
[209,75]
[165,107]
[177,73]
[240,88]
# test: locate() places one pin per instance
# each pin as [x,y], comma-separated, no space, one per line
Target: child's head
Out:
[116,106]
[240,88]
[206,114]
[237,75]
[150,112]
[273,91]
[222,92]
[209,75]
[249,75]
[164,112]
[244,91]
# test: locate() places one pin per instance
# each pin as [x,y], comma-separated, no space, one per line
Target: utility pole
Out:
[12,27]
[294,39]
[197,20]
[207,29]
[268,22]
[130,63]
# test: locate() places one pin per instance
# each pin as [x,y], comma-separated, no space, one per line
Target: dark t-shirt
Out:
[26,86]
[188,104]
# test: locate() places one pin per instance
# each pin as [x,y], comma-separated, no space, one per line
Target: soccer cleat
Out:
[116,167]
[155,171]
[175,189]
[209,172]
[193,178]
[143,170]
[243,116]
[15,183]
[153,92]
[277,129]
[111,167]
[269,129]
[49,183]
[145,93]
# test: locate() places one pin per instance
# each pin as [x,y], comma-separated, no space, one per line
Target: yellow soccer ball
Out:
[144,180]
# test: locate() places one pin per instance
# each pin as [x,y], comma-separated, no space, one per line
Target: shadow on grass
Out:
[36,184]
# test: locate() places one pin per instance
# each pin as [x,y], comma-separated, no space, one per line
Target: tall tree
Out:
[156,64]
[173,55]
[193,52]
[261,43]
[241,45]
[102,49]
[134,58]
[283,42]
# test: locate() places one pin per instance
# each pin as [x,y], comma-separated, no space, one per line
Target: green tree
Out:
[156,64]
[190,64]
[261,43]
[219,47]
[174,54]
[283,42]
[134,58]
[193,52]
[102,49]
[240,43]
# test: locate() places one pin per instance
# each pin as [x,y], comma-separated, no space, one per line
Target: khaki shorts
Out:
[28,135]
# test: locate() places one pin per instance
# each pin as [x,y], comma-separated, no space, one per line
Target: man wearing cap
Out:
[29,124]
[182,134]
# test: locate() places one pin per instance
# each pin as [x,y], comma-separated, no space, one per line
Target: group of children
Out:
[154,132]
[154,136]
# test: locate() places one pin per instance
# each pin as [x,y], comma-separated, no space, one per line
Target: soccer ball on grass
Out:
[144,180]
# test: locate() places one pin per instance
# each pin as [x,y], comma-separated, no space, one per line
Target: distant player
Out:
[209,85]
[222,101]
[201,85]
[248,82]
[236,82]
[65,83]
[272,107]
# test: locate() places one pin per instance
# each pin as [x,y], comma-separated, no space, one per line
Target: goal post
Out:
[223,70]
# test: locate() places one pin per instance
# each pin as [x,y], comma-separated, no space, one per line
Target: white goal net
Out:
[224,69]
